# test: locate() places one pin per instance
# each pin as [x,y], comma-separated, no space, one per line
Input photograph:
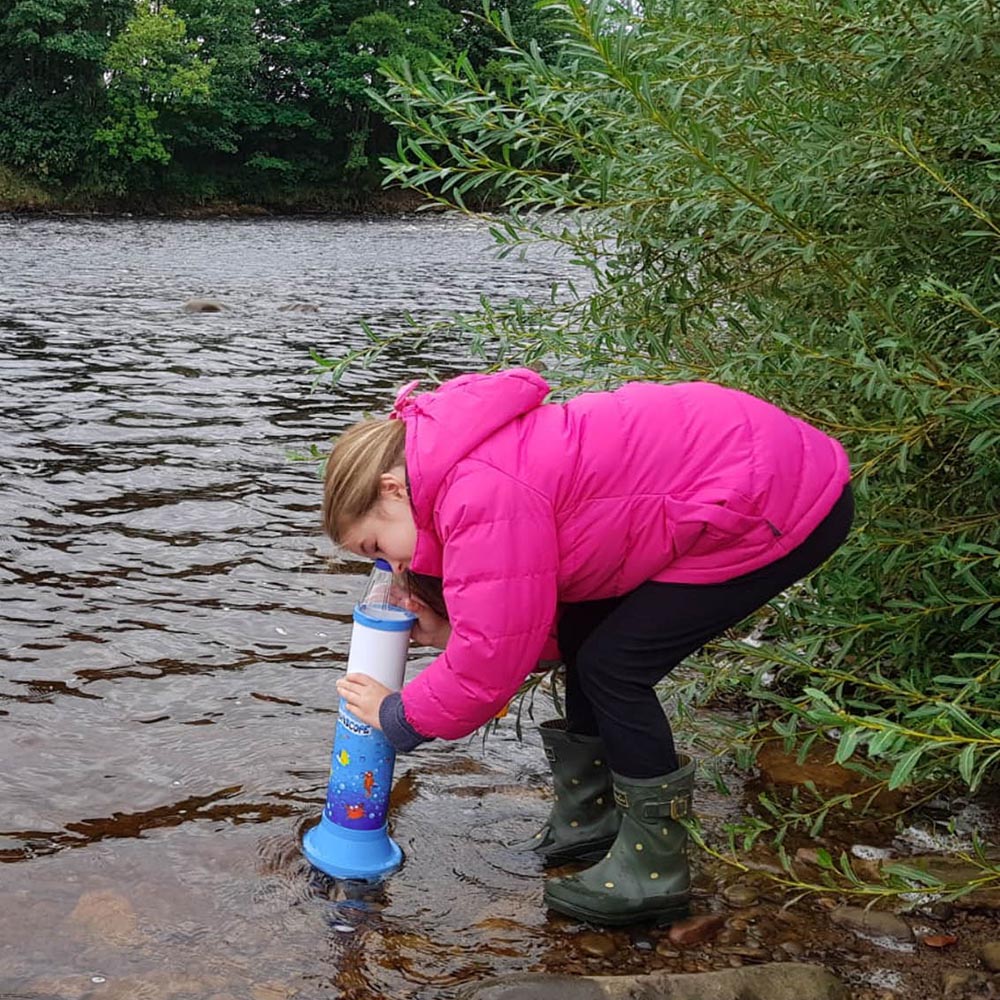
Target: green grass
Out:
[17,194]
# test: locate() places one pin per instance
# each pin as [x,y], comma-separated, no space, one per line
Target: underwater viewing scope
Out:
[351,840]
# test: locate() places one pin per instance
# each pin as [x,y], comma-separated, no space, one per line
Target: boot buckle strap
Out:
[676,808]
[550,754]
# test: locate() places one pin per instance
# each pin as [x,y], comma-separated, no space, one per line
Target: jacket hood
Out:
[444,425]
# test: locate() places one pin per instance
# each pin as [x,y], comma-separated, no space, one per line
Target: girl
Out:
[637,525]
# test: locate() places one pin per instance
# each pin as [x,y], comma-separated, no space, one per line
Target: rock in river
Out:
[203,306]
[785,981]
[106,916]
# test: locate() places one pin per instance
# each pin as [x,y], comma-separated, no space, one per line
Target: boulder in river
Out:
[775,981]
[203,306]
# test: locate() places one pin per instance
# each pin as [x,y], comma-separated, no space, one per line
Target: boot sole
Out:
[661,917]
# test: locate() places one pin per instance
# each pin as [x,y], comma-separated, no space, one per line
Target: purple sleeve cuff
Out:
[395,728]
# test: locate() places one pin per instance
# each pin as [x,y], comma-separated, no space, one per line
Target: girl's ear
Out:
[392,487]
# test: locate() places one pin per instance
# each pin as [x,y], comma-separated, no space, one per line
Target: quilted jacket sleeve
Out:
[500,570]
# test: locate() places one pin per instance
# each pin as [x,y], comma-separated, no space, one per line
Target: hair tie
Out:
[403,400]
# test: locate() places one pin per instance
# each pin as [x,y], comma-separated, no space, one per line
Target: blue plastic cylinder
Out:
[351,839]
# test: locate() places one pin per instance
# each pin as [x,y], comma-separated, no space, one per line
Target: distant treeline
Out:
[107,102]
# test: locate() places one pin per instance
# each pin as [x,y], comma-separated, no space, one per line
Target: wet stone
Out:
[867,869]
[756,982]
[940,910]
[731,935]
[872,923]
[948,869]
[748,952]
[960,982]
[596,945]
[939,940]
[740,895]
[806,856]
[696,930]
[989,955]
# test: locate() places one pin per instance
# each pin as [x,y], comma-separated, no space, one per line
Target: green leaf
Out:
[904,767]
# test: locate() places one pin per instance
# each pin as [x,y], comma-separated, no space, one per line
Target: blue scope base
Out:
[365,855]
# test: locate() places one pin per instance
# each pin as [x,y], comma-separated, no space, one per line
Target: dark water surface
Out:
[171,628]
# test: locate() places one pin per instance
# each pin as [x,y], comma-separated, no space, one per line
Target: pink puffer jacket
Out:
[521,506]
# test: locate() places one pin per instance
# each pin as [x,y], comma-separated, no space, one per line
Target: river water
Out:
[171,624]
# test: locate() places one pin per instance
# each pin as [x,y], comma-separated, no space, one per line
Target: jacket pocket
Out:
[710,520]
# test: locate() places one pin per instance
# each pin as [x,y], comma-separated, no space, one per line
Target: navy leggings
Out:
[617,649]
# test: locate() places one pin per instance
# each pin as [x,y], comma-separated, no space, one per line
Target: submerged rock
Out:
[785,981]
[105,916]
[203,306]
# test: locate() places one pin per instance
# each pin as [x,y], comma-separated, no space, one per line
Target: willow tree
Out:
[800,201]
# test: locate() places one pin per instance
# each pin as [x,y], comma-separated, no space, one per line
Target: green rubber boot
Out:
[645,875]
[583,821]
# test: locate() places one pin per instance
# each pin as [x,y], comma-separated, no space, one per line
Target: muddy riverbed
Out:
[171,625]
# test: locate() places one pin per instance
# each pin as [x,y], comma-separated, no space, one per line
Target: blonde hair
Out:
[361,455]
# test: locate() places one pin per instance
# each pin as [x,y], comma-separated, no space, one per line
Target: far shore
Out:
[38,203]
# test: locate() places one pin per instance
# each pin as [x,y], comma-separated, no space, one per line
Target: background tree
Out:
[266,101]
[156,76]
[52,61]
[209,151]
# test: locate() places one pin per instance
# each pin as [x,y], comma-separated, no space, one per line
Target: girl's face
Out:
[388,530]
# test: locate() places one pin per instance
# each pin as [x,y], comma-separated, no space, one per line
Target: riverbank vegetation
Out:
[802,201]
[114,104]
